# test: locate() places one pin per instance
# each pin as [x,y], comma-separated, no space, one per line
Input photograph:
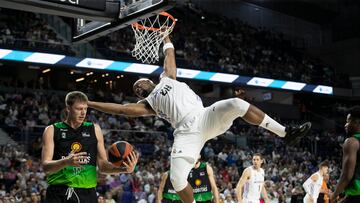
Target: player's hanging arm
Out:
[214,188]
[169,61]
[159,195]
[131,109]
[239,187]
[264,194]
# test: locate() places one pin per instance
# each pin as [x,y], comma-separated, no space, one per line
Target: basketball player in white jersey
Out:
[251,187]
[194,124]
[312,185]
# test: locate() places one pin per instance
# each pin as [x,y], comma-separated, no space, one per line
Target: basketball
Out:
[118,152]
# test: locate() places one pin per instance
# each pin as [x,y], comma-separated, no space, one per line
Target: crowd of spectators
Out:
[22,178]
[204,41]
[212,43]
[207,41]
[25,30]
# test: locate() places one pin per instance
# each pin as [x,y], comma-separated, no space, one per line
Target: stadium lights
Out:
[79,79]
[137,68]
[46,70]
[90,73]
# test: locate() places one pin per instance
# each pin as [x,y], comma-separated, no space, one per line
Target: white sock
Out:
[194,201]
[275,127]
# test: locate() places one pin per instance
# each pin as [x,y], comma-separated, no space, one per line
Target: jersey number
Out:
[165,90]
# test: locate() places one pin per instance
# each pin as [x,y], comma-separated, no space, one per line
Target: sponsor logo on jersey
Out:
[76,147]
[85,134]
[197,182]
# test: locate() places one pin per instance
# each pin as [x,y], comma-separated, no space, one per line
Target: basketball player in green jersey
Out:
[350,173]
[202,180]
[72,150]
[166,192]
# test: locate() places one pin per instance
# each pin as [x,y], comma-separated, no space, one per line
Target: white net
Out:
[149,34]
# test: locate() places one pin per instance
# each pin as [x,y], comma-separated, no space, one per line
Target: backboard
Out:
[93,18]
[130,11]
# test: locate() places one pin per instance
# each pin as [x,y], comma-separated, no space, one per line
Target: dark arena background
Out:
[297,60]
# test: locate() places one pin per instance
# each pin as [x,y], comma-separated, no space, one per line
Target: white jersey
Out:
[253,186]
[314,189]
[173,100]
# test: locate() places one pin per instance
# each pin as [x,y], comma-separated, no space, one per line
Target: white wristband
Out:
[168,45]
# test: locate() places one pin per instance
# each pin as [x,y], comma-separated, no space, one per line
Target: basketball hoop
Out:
[149,33]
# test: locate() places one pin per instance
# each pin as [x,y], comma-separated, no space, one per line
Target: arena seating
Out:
[28,113]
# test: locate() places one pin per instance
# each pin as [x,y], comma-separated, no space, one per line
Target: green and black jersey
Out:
[169,192]
[353,188]
[199,180]
[66,140]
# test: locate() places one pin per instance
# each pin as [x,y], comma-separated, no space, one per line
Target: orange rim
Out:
[141,27]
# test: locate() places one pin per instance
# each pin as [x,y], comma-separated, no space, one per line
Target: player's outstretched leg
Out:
[255,116]
[292,135]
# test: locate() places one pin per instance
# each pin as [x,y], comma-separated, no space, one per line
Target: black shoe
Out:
[294,134]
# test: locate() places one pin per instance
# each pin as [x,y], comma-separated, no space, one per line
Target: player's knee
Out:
[178,179]
[239,105]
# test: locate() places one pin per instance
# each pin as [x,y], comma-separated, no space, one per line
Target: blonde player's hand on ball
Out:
[131,162]
[123,156]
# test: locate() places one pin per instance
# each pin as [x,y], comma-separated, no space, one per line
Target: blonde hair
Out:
[75,96]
